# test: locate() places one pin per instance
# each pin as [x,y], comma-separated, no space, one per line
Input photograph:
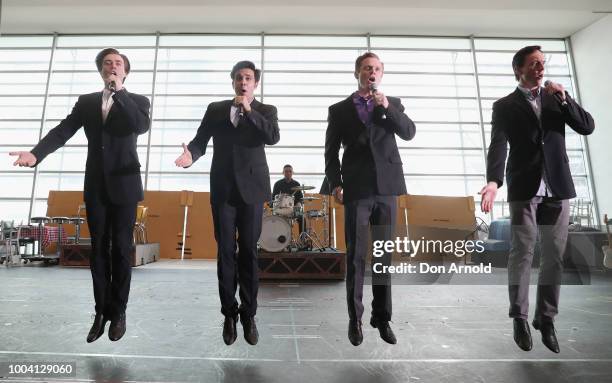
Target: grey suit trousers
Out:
[549,217]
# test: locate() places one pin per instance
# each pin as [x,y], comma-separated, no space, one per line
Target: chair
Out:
[497,245]
[499,236]
[580,211]
[59,221]
[77,222]
[9,243]
[140,227]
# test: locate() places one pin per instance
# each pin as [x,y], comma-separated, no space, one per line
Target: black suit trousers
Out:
[111,227]
[237,266]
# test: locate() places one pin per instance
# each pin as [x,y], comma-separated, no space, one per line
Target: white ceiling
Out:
[520,18]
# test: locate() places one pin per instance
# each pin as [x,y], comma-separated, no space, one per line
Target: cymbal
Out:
[310,198]
[296,188]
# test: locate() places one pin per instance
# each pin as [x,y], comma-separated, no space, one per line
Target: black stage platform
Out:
[328,264]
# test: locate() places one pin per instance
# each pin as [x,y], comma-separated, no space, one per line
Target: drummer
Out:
[285,184]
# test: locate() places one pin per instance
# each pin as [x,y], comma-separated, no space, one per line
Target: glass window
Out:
[303,76]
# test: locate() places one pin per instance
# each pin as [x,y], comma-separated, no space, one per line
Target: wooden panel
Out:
[165,223]
[166,209]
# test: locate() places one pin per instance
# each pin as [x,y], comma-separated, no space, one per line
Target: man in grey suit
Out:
[532,120]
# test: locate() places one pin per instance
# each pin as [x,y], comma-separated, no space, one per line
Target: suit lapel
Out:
[96,108]
[227,113]
[352,109]
[256,105]
[548,102]
[522,103]
[112,110]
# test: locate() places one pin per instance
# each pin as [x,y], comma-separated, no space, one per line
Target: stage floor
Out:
[457,333]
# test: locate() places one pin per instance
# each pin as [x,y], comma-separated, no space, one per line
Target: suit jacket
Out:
[238,152]
[112,160]
[371,163]
[534,145]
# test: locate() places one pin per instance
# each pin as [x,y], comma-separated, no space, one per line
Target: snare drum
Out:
[315,213]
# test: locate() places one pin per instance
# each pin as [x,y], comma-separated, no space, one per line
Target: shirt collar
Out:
[358,98]
[527,92]
[235,107]
[106,91]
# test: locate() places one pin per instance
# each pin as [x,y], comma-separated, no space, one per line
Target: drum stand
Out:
[326,230]
[309,238]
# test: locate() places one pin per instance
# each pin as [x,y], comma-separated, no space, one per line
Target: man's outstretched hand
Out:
[24,159]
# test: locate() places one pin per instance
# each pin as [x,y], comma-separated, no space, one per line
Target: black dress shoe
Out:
[250,329]
[522,334]
[97,328]
[355,332]
[229,330]
[117,328]
[384,330]
[549,336]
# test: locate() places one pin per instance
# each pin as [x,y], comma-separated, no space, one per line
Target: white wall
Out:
[592,47]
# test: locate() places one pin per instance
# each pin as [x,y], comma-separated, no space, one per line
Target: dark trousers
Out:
[237,268]
[111,227]
[373,216]
[551,218]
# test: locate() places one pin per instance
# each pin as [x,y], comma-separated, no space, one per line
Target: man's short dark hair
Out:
[519,57]
[107,51]
[363,57]
[245,65]
[287,166]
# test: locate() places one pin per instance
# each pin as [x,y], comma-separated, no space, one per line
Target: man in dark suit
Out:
[532,120]
[368,182]
[239,185]
[113,119]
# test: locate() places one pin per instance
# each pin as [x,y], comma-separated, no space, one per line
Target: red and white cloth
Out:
[50,234]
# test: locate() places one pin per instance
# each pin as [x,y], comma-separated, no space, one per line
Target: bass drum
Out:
[275,234]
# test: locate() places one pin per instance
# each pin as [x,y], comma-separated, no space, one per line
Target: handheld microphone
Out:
[557,95]
[111,85]
[374,88]
[240,107]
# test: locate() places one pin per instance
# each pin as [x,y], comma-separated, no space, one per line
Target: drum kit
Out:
[277,227]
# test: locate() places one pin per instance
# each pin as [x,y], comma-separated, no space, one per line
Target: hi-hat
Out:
[310,198]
